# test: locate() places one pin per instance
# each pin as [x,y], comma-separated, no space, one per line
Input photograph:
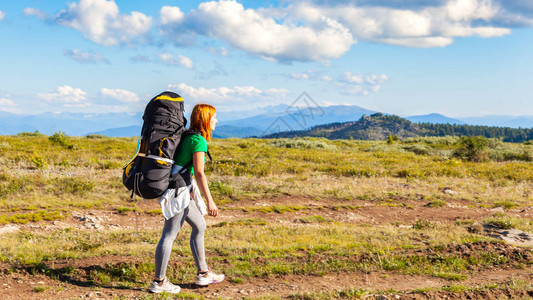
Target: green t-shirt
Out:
[190,144]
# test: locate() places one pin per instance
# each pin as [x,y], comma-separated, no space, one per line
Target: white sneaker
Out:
[164,287]
[209,278]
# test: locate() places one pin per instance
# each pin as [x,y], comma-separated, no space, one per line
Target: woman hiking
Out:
[184,204]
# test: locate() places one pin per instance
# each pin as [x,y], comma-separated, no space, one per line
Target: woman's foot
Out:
[164,286]
[207,278]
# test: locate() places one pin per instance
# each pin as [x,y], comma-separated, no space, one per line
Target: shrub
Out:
[437,203]
[61,139]
[96,136]
[38,161]
[36,133]
[418,149]
[392,138]
[302,143]
[472,148]
[72,185]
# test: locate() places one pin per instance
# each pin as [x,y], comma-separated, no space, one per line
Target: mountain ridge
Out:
[271,119]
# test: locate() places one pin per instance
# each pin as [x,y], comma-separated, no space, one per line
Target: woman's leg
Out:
[162,253]
[197,222]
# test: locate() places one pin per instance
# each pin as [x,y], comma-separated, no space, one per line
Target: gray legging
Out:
[172,226]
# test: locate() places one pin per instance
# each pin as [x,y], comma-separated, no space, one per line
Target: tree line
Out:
[507,134]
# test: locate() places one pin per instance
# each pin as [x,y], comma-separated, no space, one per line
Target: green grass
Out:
[44,178]
[88,175]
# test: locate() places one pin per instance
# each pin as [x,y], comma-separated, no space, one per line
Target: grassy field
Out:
[360,215]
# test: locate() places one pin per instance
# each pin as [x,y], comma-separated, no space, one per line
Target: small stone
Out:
[8,229]
[476,227]
[40,282]
[94,295]
[497,209]
[449,191]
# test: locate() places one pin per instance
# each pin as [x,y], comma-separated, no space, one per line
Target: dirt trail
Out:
[21,284]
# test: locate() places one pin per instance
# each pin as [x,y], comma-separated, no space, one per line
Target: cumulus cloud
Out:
[229,96]
[169,59]
[361,85]
[40,14]
[415,25]
[119,95]
[85,57]
[304,30]
[257,33]
[66,95]
[101,22]
[2,15]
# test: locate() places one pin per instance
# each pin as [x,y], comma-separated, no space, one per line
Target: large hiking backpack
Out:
[147,174]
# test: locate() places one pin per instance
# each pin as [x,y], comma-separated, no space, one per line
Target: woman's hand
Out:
[212,209]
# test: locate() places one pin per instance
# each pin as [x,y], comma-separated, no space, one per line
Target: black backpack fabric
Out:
[148,173]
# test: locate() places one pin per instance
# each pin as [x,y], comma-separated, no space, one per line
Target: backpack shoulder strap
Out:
[191,132]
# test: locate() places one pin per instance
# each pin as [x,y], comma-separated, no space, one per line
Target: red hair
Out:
[201,120]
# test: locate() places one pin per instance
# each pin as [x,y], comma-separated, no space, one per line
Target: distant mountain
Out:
[221,132]
[434,119]
[253,122]
[225,116]
[502,121]
[128,131]
[227,131]
[374,127]
[300,118]
[378,126]
[75,124]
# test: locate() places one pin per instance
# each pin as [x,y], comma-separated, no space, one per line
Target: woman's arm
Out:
[199,175]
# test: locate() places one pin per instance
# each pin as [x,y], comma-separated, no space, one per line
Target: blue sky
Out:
[454,57]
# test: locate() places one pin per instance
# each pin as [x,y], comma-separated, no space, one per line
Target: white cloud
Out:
[2,15]
[170,14]
[119,95]
[311,74]
[41,15]
[66,95]
[168,59]
[85,57]
[238,95]
[6,103]
[258,33]
[361,85]
[299,75]
[185,61]
[432,25]
[101,22]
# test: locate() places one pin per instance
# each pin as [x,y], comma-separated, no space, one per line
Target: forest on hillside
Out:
[379,126]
